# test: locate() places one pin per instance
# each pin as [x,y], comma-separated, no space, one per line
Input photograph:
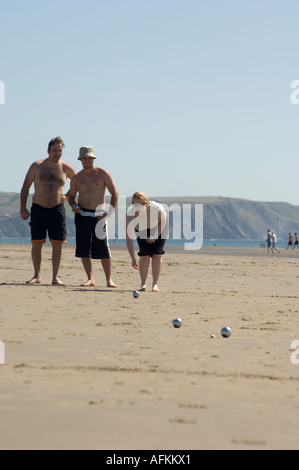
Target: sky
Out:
[177,97]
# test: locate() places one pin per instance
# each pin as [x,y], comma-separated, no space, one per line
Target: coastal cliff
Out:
[223,218]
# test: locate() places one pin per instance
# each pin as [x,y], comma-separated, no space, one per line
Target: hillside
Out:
[237,219]
[223,218]
[11,224]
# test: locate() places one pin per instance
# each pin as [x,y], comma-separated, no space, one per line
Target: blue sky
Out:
[177,97]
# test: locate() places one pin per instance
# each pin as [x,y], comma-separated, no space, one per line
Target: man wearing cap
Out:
[91,184]
[47,212]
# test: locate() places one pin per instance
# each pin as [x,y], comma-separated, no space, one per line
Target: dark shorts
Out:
[150,249]
[49,220]
[88,245]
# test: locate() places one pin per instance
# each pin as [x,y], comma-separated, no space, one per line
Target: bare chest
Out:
[52,176]
[91,182]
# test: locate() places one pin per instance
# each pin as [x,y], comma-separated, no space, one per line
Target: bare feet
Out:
[155,288]
[142,288]
[111,284]
[57,282]
[34,280]
[89,283]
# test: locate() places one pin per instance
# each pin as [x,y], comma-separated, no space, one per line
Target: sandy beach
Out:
[95,368]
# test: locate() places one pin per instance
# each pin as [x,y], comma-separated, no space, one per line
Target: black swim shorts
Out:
[150,249]
[49,220]
[88,245]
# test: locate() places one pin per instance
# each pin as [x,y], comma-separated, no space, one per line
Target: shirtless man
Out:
[91,184]
[47,212]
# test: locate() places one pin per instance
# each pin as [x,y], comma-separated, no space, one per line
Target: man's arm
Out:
[72,195]
[70,173]
[110,185]
[29,179]
[112,190]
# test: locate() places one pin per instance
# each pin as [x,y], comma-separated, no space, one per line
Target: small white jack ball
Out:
[177,322]
[136,294]
[226,332]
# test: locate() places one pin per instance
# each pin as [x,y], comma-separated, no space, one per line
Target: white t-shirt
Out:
[146,219]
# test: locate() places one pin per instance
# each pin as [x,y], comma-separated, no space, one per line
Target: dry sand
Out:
[94,368]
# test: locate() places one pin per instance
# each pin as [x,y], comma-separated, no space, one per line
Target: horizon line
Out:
[189,197]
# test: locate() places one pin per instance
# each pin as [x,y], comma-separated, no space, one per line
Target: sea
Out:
[179,243]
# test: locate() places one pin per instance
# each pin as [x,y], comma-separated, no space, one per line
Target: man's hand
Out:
[24,214]
[102,216]
[76,208]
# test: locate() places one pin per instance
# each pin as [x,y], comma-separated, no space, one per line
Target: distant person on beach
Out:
[269,241]
[290,242]
[147,221]
[296,242]
[47,212]
[274,242]
[90,214]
